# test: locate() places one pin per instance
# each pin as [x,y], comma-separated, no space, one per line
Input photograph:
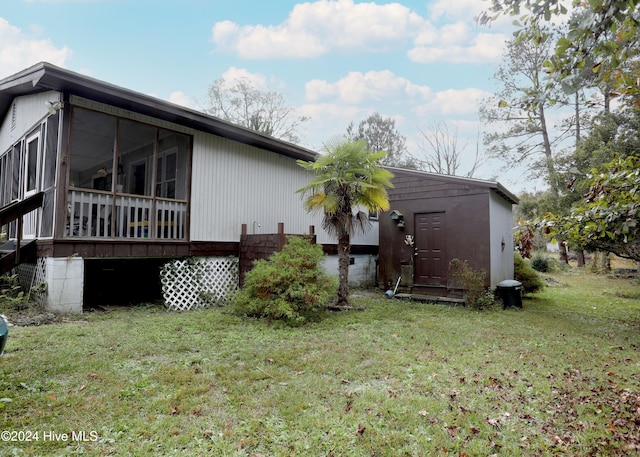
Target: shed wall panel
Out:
[467,236]
[501,233]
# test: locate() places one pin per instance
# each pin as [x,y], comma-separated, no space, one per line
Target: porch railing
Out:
[97,214]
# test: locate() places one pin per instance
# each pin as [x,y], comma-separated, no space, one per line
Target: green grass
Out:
[559,377]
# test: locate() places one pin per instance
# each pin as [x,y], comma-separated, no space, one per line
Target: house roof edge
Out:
[46,76]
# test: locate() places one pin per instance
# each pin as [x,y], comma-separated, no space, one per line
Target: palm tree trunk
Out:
[344,244]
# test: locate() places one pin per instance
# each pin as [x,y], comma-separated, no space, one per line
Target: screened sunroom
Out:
[126,179]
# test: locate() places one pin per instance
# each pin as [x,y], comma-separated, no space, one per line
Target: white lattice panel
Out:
[32,277]
[198,282]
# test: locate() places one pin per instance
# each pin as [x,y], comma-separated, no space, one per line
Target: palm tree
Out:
[348,178]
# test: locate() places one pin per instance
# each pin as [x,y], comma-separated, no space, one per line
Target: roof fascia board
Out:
[44,76]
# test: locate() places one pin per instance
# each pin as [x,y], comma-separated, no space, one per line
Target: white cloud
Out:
[373,86]
[182,99]
[313,29]
[327,120]
[464,47]
[332,105]
[466,10]
[317,28]
[457,102]
[452,102]
[257,80]
[19,50]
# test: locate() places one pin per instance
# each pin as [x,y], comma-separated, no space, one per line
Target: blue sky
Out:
[336,61]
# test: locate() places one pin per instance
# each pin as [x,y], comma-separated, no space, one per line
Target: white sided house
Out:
[100,187]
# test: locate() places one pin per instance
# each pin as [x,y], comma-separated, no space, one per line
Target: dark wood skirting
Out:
[123,248]
[332,249]
[88,249]
[119,249]
[214,249]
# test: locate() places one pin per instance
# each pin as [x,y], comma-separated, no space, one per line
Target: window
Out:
[93,137]
[166,175]
[5,179]
[16,178]
[172,163]
[136,148]
[31,171]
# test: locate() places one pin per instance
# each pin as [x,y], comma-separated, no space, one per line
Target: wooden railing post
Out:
[18,239]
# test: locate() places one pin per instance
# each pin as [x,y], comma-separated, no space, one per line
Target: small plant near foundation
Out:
[290,286]
[528,277]
[12,296]
[472,282]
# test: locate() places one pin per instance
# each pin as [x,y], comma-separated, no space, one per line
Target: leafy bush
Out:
[12,296]
[540,262]
[290,286]
[472,282]
[523,272]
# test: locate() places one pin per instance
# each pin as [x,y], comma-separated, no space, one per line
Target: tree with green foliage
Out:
[604,36]
[607,218]
[520,110]
[380,134]
[348,179]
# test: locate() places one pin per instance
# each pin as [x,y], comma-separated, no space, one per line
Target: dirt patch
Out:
[552,281]
[19,319]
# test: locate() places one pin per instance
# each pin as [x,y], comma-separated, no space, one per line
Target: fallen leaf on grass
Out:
[361,429]
[493,422]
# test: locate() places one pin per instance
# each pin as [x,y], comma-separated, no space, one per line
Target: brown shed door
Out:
[431,268]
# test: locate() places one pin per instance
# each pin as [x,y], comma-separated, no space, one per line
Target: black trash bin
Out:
[510,292]
[4,332]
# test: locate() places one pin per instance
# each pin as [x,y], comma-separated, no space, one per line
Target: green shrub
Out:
[540,262]
[290,286]
[12,296]
[472,282]
[523,272]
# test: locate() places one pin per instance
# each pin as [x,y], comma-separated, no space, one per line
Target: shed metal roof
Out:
[493,185]
[44,76]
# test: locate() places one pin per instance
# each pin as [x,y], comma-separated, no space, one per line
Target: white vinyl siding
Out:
[23,115]
[235,184]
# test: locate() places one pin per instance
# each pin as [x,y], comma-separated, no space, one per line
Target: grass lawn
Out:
[559,377]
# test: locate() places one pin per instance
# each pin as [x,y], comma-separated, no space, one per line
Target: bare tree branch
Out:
[240,103]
